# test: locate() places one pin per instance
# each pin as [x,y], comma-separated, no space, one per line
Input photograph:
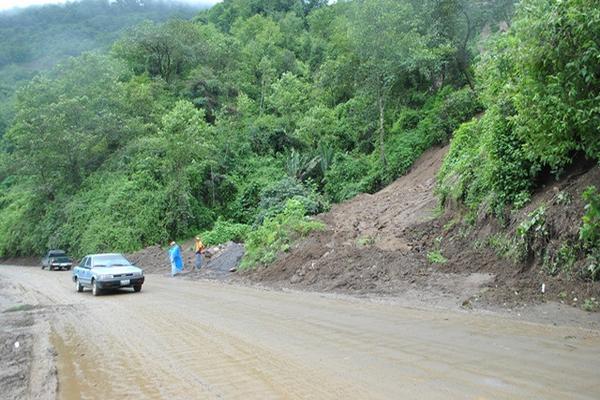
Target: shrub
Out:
[346,177]
[589,232]
[274,198]
[531,229]
[436,257]
[277,233]
[224,231]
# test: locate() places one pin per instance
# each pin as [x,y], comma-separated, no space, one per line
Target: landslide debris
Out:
[365,247]
[219,261]
[392,242]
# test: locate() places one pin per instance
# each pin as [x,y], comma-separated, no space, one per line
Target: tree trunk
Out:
[381,103]
[463,53]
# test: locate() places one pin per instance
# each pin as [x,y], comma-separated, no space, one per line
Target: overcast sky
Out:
[7,4]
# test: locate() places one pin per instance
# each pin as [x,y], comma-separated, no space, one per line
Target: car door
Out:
[83,271]
[78,270]
[87,272]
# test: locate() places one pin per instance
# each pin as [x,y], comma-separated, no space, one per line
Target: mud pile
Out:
[485,246]
[22,261]
[153,260]
[365,247]
[219,261]
[380,244]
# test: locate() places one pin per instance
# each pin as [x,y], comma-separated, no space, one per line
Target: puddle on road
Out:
[81,374]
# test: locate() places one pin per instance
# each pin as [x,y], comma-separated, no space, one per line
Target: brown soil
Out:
[365,248]
[22,261]
[519,282]
[378,244]
[218,262]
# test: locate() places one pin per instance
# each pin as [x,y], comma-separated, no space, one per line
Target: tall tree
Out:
[388,47]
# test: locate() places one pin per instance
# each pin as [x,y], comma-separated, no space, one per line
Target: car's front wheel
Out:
[95,289]
[78,286]
[137,288]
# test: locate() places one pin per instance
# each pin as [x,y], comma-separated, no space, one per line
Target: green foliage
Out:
[506,247]
[562,261]
[590,229]
[436,257]
[227,117]
[224,231]
[531,229]
[590,305]
[277,233]
[365,241]
[347,177]
[589,232]
[538,83]
[556,89]
[35,39]
[274,198]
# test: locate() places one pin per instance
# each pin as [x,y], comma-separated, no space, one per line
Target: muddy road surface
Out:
[181,339]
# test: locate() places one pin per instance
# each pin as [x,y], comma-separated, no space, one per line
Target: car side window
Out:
[82,263]
[88,263]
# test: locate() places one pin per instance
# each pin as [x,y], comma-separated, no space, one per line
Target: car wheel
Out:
[78,286]
[43,266]
[51,268]
[68,268]
[137,288]
[95,290]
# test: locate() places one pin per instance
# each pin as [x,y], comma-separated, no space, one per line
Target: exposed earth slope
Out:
[384,244]
[365,247]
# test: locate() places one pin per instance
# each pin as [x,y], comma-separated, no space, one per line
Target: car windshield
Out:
[57,253]
[110,261]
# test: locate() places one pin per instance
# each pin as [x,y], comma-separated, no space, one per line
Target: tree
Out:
[67,124]
[165,50]
[388,48]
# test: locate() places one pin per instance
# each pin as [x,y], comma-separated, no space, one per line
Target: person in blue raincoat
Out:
[175,257]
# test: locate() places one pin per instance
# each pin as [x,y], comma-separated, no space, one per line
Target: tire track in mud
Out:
[202,340]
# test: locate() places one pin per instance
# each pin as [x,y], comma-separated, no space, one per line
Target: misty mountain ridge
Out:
[36,38]
[199,4]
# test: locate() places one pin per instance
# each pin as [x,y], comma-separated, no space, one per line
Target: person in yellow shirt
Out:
[198,252]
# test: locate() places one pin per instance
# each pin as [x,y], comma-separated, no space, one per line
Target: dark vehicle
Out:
[57,259]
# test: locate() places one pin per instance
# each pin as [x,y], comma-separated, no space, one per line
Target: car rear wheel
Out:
[137,288]
[50,267]
[95,290]
[43,266]
[78,286]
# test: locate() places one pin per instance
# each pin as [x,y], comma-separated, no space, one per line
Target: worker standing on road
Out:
[175,257]
[198,252]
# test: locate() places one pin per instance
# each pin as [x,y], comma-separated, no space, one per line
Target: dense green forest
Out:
[37,38]
[254,113]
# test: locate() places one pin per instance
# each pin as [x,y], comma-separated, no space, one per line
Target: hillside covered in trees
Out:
[37,38]
[252,114]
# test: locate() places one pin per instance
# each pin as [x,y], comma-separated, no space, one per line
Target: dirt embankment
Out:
[365,247]
[554,258]
[380,243]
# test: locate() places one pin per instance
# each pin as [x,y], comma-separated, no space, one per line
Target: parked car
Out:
[107,271]
[57,259]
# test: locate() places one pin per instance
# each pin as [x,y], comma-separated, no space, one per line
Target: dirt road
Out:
[207,340]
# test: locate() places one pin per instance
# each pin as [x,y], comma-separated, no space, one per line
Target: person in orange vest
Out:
[198,252]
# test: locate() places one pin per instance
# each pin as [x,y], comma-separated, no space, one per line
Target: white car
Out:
[107,271]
